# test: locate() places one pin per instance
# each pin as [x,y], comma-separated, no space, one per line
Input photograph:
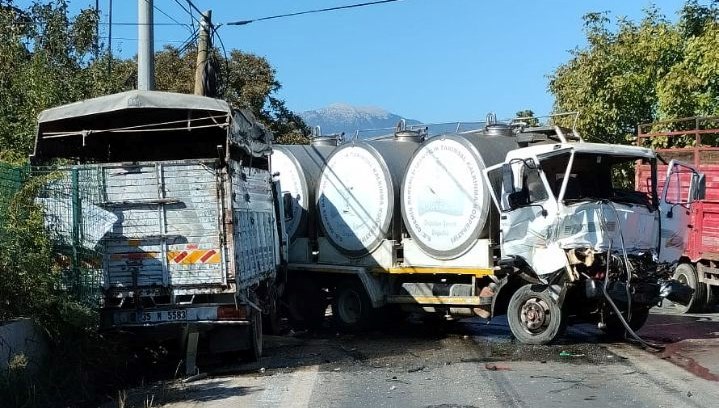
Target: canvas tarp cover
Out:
[65,129]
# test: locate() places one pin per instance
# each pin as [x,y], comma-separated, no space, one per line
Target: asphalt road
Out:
[467,364]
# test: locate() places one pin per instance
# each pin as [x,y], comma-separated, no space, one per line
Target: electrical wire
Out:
[128,23]
[224,52]
[188,42]
[135,39]
[192,5]
[349,6]
[188,11]
[170,17]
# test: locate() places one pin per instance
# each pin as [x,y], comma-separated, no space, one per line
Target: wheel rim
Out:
[682,278]
[534,315]
[350,307]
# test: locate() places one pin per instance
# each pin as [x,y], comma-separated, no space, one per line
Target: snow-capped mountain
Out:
[370,121]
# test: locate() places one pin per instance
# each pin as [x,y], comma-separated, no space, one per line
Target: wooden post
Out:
[203,48]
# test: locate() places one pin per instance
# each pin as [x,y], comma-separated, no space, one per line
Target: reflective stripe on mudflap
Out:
[194,256]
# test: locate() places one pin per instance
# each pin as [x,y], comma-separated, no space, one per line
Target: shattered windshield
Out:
[595,176]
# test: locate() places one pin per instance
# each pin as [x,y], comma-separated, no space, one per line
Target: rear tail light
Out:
[231,312]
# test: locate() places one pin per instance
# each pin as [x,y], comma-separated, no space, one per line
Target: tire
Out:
[351,307]
[306,304]
[712,297]
[687,273]
[271,322]
[534,317]
[615,329]
[254,333]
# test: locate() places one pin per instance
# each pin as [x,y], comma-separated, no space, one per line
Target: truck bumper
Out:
[206,315]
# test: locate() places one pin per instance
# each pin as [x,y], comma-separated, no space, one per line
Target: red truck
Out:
[699,265]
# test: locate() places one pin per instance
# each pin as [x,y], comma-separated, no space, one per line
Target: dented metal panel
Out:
[256,243]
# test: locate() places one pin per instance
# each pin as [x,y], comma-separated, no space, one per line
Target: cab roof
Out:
[584,147]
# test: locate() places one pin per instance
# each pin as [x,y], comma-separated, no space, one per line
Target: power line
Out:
[369,3]
[170,17]
[128,23]
[193,19]
[192,5]
[135,39]
[224,51]
[188,42]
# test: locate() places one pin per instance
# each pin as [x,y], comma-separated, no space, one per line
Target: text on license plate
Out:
[162,316]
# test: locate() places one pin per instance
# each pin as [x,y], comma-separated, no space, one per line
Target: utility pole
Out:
[97,29]
[145,46]
[109,40]
[203,48]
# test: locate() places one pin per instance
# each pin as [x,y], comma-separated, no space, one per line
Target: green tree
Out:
[43,53]
[47,58]
[637,72]
[249,81]
[526,116]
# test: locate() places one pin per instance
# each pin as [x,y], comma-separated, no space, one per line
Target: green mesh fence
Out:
[70,198]
[67,197]
[11,180]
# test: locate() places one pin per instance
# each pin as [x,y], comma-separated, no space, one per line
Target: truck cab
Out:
[578,241]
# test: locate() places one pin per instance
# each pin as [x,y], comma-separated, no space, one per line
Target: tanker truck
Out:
[530,222]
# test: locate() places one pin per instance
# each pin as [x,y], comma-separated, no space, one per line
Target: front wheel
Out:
[534,317]
[615,329]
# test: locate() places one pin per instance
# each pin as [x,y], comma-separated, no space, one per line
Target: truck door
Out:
[682,186]
[527,212]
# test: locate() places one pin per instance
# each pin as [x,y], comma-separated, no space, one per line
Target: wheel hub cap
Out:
[535,315]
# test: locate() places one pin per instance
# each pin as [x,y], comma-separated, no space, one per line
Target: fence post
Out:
[76,227]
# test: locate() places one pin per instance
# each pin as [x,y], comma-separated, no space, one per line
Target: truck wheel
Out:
[534,317]
[254,333]
[687,274]
[271,322]
[351,306]
[712,297]
[306,304]
[615,329]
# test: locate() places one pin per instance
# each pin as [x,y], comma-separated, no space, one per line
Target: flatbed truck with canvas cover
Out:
[173,196]
[694,141]
[533,223]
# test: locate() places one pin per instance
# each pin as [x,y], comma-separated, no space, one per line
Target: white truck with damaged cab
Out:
[577,245]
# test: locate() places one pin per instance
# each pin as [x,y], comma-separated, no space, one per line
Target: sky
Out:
[430,60]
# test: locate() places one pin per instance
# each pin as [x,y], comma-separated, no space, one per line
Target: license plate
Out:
[160,316]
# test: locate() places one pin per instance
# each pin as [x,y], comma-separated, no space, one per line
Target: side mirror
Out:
[517,199]
[699,184]
[288,203]
[507,178]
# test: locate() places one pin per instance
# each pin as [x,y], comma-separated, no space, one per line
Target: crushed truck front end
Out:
[577,242]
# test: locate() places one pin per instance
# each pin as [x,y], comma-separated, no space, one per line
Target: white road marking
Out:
[293,392]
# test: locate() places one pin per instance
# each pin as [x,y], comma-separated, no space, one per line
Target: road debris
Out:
[195,377]
[496,367]
[569,354]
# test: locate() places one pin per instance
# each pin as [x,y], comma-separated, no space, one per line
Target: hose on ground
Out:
[619,313]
